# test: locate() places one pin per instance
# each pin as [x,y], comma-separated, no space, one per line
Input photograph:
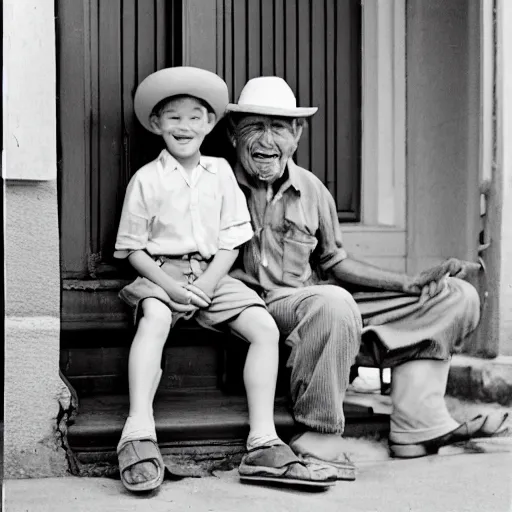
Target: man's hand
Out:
[432,281]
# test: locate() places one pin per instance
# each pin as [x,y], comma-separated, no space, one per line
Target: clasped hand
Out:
[433,281]
[190,297]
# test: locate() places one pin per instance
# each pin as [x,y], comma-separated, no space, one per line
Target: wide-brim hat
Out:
[271,96]
[179,80]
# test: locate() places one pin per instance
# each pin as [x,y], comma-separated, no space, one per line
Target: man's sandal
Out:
[278,464]
[137,451]
[478,427]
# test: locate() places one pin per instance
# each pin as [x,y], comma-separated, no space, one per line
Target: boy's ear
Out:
[155,124]
[210,123]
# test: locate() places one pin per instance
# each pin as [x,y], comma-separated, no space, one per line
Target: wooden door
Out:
[105,48]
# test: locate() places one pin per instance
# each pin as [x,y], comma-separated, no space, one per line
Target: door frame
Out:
[380,237]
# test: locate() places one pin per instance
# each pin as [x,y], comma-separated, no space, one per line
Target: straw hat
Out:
[271,96]
[196,82]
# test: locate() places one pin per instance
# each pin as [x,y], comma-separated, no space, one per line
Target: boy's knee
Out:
[261,328]
[267,331]
[157,314]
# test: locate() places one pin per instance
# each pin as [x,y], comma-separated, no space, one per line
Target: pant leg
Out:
[420,373]
[419,409]
[433,330]
[323,327]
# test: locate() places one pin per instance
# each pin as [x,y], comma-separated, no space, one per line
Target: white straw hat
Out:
[175,81]
[269,95]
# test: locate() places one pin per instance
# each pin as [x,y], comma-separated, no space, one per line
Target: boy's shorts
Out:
[231,296]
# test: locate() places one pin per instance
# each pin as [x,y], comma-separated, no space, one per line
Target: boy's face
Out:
[183,123]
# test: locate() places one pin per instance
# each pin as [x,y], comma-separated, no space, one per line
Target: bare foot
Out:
[140,473]
[328,447]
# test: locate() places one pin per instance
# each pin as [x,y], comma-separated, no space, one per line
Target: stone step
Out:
[199,424]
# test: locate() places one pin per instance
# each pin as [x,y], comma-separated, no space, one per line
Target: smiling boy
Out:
[182,223]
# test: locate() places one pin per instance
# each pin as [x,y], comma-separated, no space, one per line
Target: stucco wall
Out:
[32,250]
[35,396]
[443,80]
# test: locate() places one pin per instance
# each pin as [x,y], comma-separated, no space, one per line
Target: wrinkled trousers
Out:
[323,325]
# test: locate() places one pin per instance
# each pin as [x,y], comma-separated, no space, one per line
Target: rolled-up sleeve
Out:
[133,232]
[330,246]
[235,221]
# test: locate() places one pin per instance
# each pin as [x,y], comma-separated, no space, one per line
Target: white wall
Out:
[34,393]
[443,79]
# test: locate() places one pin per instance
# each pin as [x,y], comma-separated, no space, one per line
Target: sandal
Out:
[136,451]
[278,463]
[345,469]
[478,427]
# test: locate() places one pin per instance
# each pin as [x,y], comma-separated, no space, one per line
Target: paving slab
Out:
[460,482]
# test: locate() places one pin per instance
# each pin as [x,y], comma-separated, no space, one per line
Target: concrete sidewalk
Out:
[457,482]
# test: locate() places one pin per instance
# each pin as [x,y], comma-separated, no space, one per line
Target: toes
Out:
[140,473]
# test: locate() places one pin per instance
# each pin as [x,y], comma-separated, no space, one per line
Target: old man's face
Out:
[265,143]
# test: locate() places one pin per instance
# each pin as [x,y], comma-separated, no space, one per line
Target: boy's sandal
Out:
[279,464]
[344,467]
[478,427]
[137,451]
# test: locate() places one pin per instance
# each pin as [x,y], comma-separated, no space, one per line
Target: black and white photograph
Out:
[256,255]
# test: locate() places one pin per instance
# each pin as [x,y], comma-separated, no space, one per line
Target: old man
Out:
[297,262]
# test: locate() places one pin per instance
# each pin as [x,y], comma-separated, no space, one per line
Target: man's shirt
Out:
[297,233]
[168,211]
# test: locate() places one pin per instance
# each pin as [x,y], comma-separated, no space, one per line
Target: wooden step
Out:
[207,415]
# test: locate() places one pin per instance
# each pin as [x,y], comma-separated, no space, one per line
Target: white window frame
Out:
[380,237]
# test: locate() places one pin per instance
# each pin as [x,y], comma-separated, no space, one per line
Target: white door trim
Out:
[383,116]
[381,234]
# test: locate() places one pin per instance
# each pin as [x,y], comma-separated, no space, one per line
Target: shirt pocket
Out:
[297,249]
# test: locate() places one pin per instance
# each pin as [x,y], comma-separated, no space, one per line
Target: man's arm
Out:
[427,284]
[363,274]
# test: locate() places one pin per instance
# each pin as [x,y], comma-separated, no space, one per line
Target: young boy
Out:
[182,222]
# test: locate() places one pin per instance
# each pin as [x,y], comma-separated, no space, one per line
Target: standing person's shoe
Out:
[478,427]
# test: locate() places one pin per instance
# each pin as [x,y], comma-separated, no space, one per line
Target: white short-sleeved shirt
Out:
[169,212]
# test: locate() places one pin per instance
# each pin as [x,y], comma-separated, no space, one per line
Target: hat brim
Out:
[271,111]
[180,80]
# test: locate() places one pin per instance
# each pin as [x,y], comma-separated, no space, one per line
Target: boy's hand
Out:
[204,288]
[187,299]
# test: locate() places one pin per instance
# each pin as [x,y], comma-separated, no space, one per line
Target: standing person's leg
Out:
[323,326]
[140,461]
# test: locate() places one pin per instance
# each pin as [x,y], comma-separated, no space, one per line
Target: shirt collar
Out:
[170,163]
[245,180]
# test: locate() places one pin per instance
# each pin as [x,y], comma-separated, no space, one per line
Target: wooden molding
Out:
[383,113]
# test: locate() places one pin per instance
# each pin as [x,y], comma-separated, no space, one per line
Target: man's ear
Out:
[230,128]
[155,124]
[298,125]
[210,123]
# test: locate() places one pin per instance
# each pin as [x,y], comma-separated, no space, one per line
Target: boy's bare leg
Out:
[260,372]
[144,375]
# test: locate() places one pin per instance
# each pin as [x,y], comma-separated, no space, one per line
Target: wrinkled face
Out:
[183,122]
[264,145]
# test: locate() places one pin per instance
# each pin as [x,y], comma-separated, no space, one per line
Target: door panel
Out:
[316,48]
[105,48]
